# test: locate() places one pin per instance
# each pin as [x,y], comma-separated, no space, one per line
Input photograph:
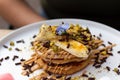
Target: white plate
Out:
[27,32]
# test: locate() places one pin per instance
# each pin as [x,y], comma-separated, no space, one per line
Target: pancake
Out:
[63,69]
[59,57]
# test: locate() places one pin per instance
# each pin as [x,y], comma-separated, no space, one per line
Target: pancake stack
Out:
[65,53]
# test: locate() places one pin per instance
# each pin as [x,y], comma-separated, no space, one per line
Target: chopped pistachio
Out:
[55,48]
[103,52]
[12,43]
[10,49]
[32,48]
[115,69]
[75,78]
[51,43]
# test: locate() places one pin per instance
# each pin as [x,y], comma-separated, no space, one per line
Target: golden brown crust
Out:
[63,69]
[59,57]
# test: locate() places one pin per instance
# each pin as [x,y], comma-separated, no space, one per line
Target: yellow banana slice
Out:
[74,47]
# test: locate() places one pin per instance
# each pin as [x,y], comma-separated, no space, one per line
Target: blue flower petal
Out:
[62,29]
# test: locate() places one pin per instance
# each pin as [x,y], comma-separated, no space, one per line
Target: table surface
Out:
[4,32]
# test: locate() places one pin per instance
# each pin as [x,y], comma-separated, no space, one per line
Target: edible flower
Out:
[62,29]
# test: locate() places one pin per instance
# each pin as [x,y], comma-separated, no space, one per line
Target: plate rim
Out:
[64,19]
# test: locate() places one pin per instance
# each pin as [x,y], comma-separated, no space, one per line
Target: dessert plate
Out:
[17,46]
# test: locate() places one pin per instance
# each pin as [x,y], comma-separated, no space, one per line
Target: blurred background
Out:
[35,4]
[103,11]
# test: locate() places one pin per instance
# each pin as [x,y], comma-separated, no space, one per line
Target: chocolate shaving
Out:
[62,22]
[103,45]
[84,75]
[91,78]
[52,79]
[20,41]
[98,38]
[15,57]
[69,78]
[108,68]
[27,74]
[109,43]
[98,66]
[118,72]
[49,73]
[118,66]
[19,63]
[17,49]
[1,59]
[32,43]
[5,46]
[118,52]
[34,36]
[100,35]
[68,45]
[0,64]
[94,36]
[33,63]
[22,59]
[58,76]
[110,54]
[47,44]
[44,78]
[26,66]
[111,49]
[7,57]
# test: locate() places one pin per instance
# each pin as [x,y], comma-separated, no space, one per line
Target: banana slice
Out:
[74,47]
[45,33]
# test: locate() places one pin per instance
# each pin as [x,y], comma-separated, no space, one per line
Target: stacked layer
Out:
[63,50]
